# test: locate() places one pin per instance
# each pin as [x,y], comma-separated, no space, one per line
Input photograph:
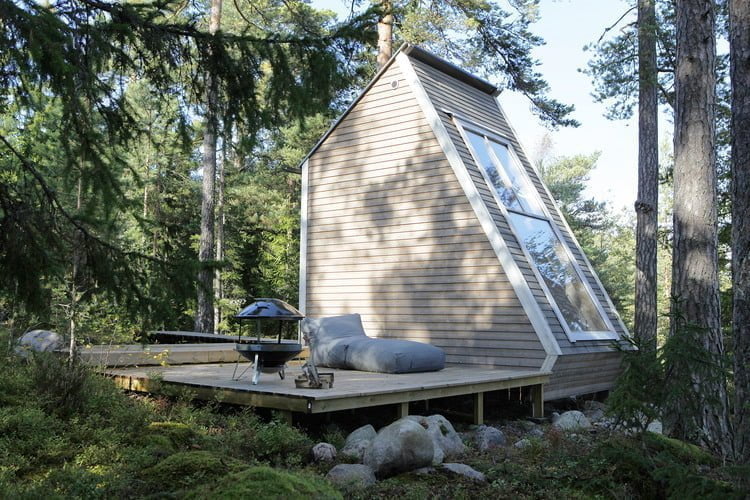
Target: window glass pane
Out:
[558,273]
[527,198]
[499,180]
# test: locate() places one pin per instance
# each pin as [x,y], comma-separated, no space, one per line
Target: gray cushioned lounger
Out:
[341,342]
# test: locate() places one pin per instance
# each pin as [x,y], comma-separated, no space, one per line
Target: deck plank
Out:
[352,389]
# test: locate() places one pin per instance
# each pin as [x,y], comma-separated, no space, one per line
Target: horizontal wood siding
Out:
[578,374]
[392,236]
[451,95]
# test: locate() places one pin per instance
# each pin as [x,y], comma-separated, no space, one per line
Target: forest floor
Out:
[68,433]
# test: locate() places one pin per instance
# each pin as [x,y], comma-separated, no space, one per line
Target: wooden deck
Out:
[352,389]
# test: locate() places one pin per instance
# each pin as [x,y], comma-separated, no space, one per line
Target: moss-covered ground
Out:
[67,433]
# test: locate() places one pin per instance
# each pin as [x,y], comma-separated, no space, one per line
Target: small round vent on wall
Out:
[394,84]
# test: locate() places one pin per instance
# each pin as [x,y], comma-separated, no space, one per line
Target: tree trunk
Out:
[695,285]
[204,320]
[739,55]
[385,33]
[78,263]
[646,206]
[218,281]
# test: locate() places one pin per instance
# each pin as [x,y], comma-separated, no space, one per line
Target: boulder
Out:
[356,450]
[656,427]
[591,405]
[38,341]
[571,420]
[351,476]
[594,415]
[536,433]
[522,444]
[487,437]
[466,471]
[400,447]
[445,439]
[364,433]
[324,452]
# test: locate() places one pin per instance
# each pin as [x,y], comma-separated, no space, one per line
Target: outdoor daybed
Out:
[341,342]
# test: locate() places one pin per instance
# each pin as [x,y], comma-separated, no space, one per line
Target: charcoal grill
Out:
[267,356]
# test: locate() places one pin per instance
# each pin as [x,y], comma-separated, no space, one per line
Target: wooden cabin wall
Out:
[450,95]
[574,375]
[392,236]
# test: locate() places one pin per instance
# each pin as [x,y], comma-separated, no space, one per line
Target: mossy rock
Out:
[681,451]
[187,468]
[181,435]
[265,482]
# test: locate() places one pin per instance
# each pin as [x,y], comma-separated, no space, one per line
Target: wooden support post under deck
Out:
[403,409]
[479,408]
[286,416]
[537,401]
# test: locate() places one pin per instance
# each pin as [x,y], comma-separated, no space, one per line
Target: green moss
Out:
[679,450]
[180,435]
[265,482]
[184,469]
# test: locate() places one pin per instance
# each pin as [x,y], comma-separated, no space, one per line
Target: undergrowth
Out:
[66,432]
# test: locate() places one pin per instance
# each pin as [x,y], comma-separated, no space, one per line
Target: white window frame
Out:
[463,125]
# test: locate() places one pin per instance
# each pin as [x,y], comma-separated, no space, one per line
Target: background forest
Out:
[138,197]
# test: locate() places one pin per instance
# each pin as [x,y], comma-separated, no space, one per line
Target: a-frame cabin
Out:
[421,212]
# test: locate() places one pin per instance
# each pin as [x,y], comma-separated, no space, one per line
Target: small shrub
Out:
[188,468]
[62,386]
[265,482]
[179,434]
[280,444]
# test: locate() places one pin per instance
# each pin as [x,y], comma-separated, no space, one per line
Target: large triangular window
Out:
[562,280]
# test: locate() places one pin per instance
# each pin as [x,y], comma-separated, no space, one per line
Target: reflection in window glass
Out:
[502,184]
[526,197]
[563,282]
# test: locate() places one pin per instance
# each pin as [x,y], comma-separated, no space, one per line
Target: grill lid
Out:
[270,309]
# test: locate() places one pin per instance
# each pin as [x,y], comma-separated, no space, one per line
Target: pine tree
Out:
[695,285]
[204,318]
[481,36]
[739,40]
[646,206]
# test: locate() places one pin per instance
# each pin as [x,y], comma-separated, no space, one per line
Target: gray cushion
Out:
[393,356]
[328,332]
[341,343]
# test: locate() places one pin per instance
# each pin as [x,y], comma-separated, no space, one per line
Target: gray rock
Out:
[571,420]
[466,471]
[324,452]
[38,341]
[594,415]
[356,450]
[526,425]
[656,427]
[446,441]
[364,433]
[488,437]
[591,405]
[536,433]
[522,444]
[554,416]
[400,447]
[351,476]
[424,471]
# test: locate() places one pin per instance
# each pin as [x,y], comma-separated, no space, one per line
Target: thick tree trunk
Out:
[646,206]
[204,320]
[695,284]
[739,54]
[385,33]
